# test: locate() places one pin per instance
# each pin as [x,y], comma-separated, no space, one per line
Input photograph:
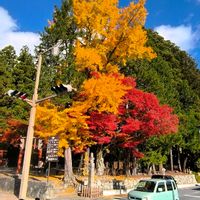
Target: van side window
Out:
[169,186]
[160,187]
[174,185]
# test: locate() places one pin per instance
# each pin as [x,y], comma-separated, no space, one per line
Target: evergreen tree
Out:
[24,72]
[174,77]
[7,61]
[60,69]
[17,73]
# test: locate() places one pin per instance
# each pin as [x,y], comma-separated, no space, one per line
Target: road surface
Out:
[192,193]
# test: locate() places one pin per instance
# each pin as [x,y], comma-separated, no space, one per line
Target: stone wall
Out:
[130,182]
[36,188]
[185,179]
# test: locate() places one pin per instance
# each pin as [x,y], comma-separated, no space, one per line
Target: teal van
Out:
[154,189]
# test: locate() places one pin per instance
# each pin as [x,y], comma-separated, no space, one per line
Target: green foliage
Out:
[156,149]
[198,164]
[197,176]
[7,60]
[154,157]
[24,71]
[174,77]
[60,69]
[17,73]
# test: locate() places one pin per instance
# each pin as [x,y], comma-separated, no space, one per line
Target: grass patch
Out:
[197,176]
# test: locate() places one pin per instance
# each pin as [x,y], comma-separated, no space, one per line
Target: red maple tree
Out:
[102,127]
[140,116]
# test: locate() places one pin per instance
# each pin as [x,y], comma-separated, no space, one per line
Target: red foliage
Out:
[142,116]
[137,154]
[95,74]
[102,126]
[76,150]
[129,81]
[131,125]
[13,132]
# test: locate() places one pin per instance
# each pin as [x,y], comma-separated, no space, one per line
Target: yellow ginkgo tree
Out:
[102,93]
[69,125]
[110,35]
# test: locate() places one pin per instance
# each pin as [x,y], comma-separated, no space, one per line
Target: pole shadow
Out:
[17,183]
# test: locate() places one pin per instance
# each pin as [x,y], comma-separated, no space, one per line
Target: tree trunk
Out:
[127,163]
[161,168]
[68,173]
[100,162]
[85,169]
[19,161]
[179,161]
[135,166]
[185,163]
[149,169]
[114,168]
[80,166]
[154,168]
[171,160]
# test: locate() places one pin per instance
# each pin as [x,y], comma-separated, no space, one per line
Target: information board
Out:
[52,149]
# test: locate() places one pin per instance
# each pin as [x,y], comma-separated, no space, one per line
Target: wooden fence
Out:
[85,191]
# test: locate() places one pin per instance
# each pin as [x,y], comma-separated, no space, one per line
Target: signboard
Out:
[52,150]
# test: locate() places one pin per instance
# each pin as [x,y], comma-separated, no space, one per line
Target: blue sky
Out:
[176,20]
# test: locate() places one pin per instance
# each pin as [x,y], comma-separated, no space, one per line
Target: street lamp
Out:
[30,131]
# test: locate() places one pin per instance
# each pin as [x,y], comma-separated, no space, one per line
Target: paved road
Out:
[192,193]
[9,196]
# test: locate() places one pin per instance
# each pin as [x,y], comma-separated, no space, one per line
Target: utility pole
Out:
[30,131]
[29,138]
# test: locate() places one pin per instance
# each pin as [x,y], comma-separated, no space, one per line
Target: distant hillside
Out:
[173,76]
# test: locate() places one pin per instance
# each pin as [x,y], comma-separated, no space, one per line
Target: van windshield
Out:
[145,186]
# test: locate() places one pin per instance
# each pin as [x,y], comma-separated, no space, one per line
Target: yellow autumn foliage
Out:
[96,15]
[111,35]
[69,125]
[88,57]
[103,93]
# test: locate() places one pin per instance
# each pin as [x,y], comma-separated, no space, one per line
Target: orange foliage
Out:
[103,93]
[13,132]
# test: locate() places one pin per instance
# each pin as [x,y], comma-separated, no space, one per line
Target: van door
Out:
[175,190]
[161,192]
[170,190]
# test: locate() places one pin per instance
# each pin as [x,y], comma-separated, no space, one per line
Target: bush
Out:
[197,176]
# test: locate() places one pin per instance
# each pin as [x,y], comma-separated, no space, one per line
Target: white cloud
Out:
[10,35]
[183,36]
